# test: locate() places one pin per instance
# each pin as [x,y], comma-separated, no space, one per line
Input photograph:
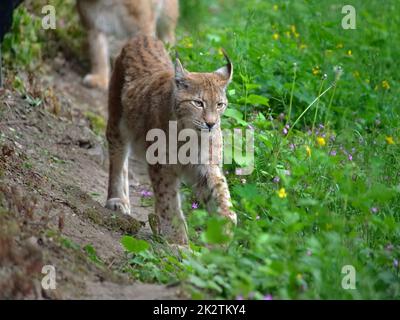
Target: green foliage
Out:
[22,46]
[134,245]
[97,123]
[325,193]
[216,231]
[92,254]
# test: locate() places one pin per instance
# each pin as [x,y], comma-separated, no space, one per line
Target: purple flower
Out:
[277,179]
[292,146]
[332,137]
[396,263]
[333,153]
[239,297]
[287,172]
[321,126]
[239,171]
[268,297]
[350,157]
[285,131]
[195,205]
[146,193]
[374,210]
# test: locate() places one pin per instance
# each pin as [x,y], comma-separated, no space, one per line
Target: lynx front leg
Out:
[213,190]
[99,58]
[118,185]
[170,220]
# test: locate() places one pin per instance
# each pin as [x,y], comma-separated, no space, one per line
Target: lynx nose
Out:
[210,125]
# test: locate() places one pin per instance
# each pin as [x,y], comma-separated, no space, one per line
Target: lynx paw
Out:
[230,215]
[117,204]
[96,81]
[173,233]
[233,217]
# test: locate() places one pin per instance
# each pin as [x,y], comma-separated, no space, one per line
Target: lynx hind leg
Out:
[167,21]
[170,222]
[99,59]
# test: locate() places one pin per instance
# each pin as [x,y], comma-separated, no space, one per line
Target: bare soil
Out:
[53,180]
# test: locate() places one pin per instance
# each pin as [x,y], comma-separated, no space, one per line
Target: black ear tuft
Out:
[180,73]
[227,70]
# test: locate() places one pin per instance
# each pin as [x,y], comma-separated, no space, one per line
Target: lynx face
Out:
[201,97]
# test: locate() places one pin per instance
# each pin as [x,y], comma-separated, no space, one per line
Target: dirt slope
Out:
[53,182]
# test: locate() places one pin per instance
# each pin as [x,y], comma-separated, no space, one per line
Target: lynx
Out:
[147,92]
[111,22]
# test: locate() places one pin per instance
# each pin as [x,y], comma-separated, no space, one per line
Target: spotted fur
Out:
[147,92]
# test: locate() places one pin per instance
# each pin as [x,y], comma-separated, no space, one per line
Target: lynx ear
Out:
[180,73]
[227,70]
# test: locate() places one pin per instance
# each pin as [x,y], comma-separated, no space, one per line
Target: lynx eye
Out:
[198,103]
[221,105]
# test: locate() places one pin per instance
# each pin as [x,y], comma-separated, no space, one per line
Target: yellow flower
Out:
[187,42]
[282,193]
[275,36]
[316,71]
[356,74]
[328,226]
[389,140]
[275,7]
[287,33]
[385,85]
[339,45]
[296,34]
[308,151]
[303,46]
[321,141]
[299,276]
[349,53]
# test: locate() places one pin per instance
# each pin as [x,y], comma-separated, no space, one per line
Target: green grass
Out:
[321,197]
[342,196]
